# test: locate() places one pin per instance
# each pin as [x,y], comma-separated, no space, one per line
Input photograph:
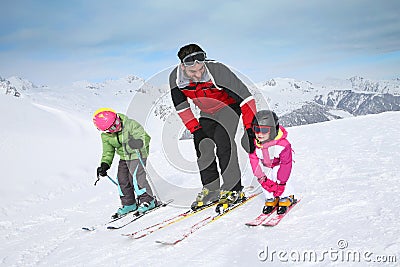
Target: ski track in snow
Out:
[345,171]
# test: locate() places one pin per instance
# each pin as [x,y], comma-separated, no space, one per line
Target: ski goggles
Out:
[113,128]
[192,58]
[261,129]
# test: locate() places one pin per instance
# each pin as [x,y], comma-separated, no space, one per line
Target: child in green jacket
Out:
[131,142]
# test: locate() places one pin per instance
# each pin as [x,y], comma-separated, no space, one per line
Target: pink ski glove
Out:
[280,188]
[269,185]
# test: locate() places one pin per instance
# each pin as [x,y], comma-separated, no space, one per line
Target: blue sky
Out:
[58,42]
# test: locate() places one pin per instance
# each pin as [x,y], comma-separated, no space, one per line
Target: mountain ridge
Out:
[297,102]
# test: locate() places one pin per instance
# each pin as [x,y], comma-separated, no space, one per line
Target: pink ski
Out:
[259,219]
[274,220]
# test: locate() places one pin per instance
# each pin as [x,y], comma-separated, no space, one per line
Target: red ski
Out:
[274,220]
[259,219]
[205,221]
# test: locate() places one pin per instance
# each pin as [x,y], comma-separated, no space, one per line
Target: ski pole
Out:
[111,179]
[138,191]
[147,173]
[114,182]
[98,179]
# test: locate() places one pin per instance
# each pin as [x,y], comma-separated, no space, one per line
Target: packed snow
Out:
[346,172]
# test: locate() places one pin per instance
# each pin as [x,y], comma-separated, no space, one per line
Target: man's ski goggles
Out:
[192,58]
[115,126]
[261,129]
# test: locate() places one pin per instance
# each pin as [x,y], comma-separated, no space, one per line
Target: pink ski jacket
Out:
[276,153]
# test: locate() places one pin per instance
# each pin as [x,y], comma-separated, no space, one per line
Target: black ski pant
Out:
[221,128]
[126,168]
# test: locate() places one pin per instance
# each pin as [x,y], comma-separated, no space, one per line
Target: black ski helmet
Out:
[267,118]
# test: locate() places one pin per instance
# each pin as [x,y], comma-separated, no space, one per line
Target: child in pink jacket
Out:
[271,161]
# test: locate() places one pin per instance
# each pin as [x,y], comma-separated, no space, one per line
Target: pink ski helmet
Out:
[104,118]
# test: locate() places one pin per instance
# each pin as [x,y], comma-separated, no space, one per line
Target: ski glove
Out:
[135,143]
[280,188]
[102,170]
[198,136]
[269,185]
[248,141]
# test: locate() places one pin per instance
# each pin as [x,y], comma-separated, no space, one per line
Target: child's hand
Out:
[269,185]
[280,188]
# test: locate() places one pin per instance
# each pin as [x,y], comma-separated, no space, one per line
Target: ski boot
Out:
[146,206]
[229,198]
[121,212]
[146,203]
[204,198]
[284,204]
[270,205]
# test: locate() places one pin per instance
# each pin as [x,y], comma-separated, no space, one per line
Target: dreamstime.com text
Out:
[340,254]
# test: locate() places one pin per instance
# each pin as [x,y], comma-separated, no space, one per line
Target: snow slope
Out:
[345,171]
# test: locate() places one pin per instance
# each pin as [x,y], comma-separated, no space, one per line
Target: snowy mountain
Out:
[345,172]
[21,84]
[300,103]
[383,86]
[358,103]
[297,102]
[7,88]
[357,83]
[79,97]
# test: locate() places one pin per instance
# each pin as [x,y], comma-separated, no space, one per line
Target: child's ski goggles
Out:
[261,129]
[115,125]
[192,58]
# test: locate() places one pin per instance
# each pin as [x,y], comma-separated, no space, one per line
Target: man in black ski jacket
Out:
[222,97]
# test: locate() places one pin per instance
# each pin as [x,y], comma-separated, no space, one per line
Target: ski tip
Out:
[164,203]
[88,229]
[168,202]
[164,243]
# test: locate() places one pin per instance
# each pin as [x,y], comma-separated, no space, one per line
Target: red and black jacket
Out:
[220,88]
